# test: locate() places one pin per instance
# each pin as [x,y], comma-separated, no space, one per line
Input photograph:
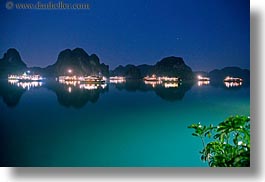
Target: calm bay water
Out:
[129,124]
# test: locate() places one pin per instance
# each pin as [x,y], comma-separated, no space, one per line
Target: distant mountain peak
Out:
[12,51]
[172,60]
[79,62]
[12,56]
[173,66]
[11,63]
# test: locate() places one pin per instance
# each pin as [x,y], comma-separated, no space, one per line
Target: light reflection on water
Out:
[162,84]
[83,85]
[153,83]
[77,91]
[171,85]
[233,84]
[26,85]
[92,86]
[132,124]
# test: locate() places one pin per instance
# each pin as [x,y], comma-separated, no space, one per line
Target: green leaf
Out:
[223,149]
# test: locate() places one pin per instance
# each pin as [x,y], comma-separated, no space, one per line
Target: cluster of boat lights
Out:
[82,85]
[27,81]
[203,81]
[26,76]
[164,84]
[83,78]
[167,82]
[96,82]
[228,81]
[233,82]
[83,82]
[88,87]
[117,79]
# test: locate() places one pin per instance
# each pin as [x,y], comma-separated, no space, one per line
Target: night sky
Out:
[208,34]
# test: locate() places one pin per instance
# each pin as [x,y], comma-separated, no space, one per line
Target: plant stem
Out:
[204,147]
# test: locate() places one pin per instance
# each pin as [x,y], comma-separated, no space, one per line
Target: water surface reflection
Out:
[11,94]
[170,91]
[76,94]
[26,85]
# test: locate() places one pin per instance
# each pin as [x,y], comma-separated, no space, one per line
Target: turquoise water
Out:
[128,124]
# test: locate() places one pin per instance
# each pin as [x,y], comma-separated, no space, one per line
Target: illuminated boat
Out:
[87,79]
[93,79]
[169,79]
[26,78]
[201,78]
[152,78]
[117,79]
[232,79]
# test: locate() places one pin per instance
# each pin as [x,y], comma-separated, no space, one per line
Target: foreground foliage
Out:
[229,142]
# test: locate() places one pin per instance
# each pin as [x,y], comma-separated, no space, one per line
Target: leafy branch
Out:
[229,144]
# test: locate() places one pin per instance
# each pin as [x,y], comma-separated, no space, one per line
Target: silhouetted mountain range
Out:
[129,71]
[82,63]
[217,74]
[170,66]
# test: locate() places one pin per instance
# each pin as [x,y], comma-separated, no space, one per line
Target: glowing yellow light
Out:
[201,78]
[152,83]
[171,85]
[117,79]
[26,77]
[201,83]
[168,79]
[152,78]
[25,85]
[89,86]
[233,84]
[82,82]
[232,79]
[103,85]
[12,82]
